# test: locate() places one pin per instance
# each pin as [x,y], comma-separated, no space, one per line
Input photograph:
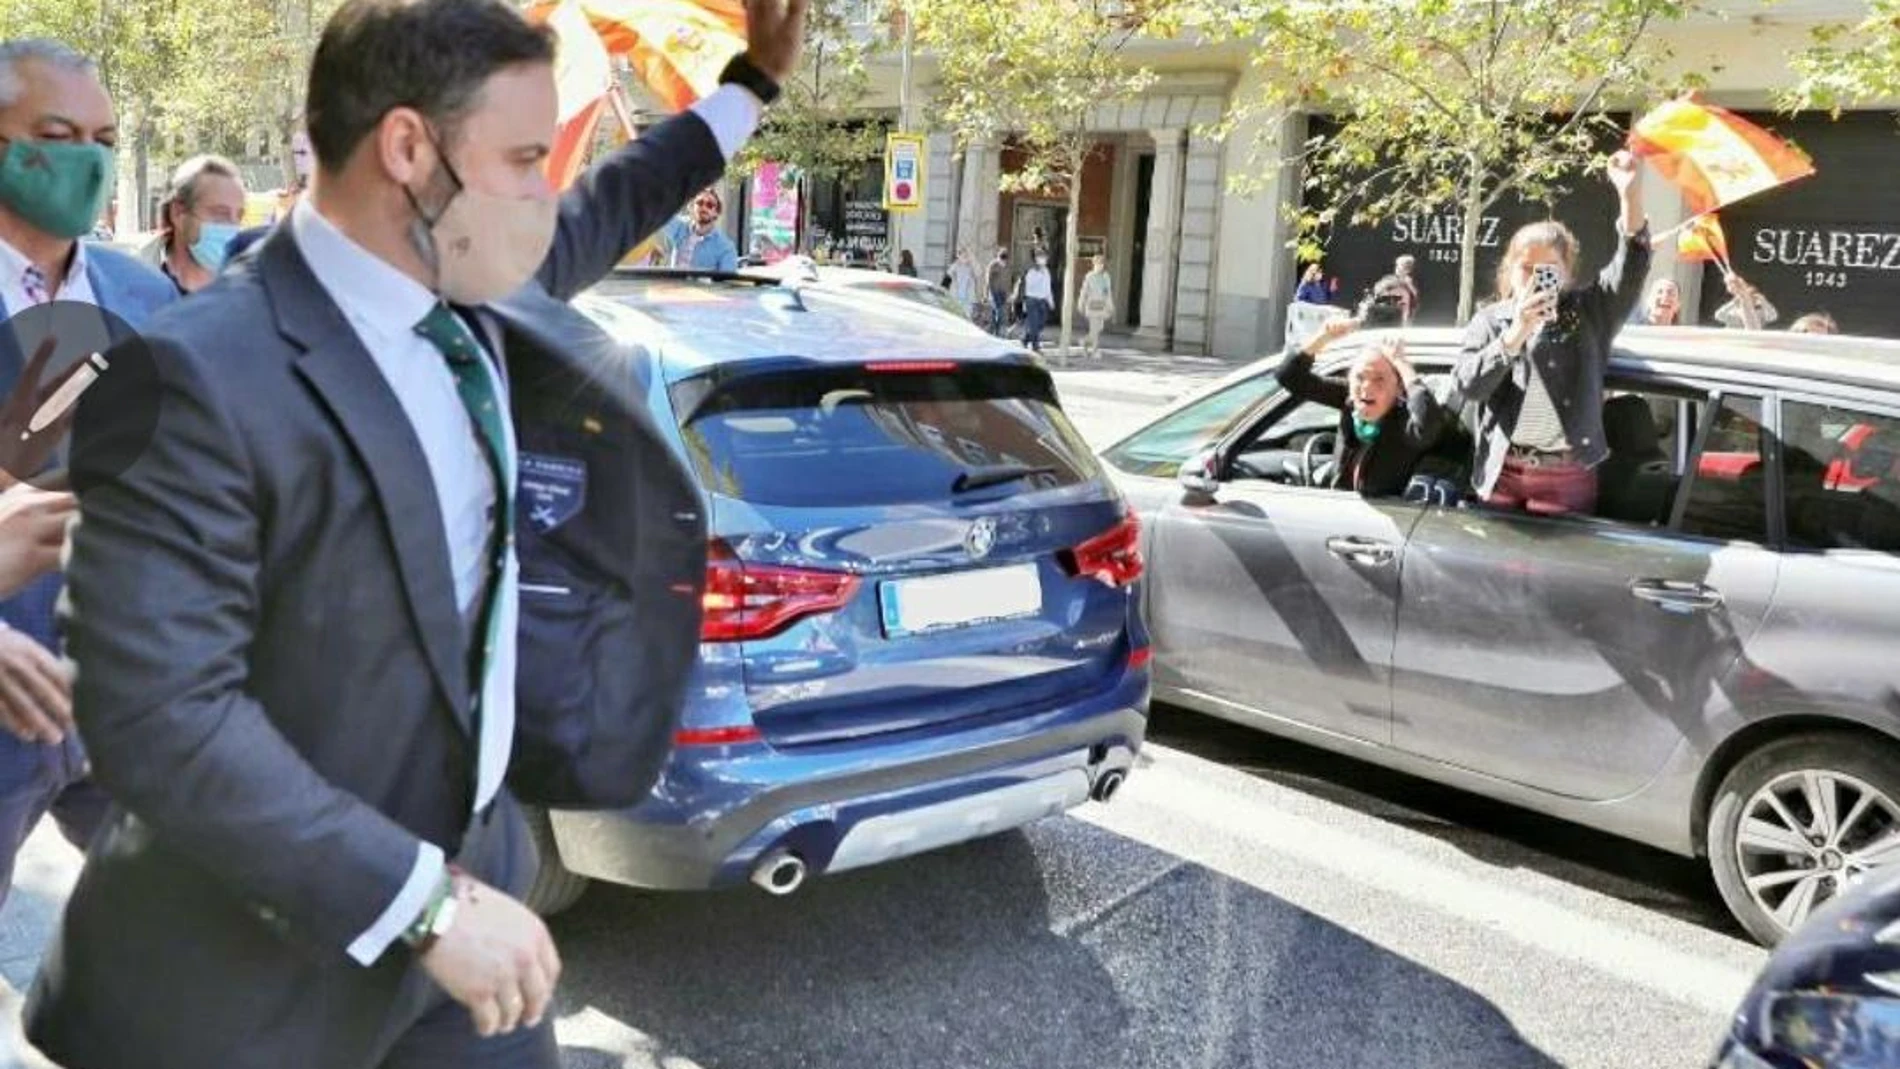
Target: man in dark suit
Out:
[54,111]
[293,618]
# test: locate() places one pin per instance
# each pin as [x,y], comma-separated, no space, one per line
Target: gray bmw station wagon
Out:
[1710,664]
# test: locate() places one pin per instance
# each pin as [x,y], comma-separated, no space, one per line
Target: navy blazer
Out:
[273,670]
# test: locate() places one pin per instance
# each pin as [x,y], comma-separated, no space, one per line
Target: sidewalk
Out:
[1133,376]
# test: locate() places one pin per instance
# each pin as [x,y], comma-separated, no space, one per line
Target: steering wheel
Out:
[1309,455]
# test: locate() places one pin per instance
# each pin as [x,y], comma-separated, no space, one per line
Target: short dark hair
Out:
[431,55]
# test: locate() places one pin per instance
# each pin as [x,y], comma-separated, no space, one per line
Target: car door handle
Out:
[1671,594]
[1361,550]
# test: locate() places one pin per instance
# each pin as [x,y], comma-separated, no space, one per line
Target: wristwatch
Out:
[741,71]
[436,918]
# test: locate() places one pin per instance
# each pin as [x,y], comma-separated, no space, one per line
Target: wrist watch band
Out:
[435,918]
[741,71]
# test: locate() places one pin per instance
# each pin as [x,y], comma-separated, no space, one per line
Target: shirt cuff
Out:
[408,904]
[733,113]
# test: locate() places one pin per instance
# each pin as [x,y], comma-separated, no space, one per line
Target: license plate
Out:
[944,601]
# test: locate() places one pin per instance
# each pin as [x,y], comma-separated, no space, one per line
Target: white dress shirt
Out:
[1037,285]
[383,307]
[77,285]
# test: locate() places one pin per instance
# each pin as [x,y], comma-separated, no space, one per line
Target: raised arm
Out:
[1296,370]
[163,595]
[1484,364]
[632,193]
[1621,282]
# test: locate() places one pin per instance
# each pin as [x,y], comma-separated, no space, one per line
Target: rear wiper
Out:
[978,478]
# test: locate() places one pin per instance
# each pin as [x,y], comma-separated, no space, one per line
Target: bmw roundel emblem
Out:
[981,538]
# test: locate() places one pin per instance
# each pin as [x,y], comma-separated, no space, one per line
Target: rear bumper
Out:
[718,810]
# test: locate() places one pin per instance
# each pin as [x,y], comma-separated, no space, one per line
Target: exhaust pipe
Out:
[1107,784]
[779,873]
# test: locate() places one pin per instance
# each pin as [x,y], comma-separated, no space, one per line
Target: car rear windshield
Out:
[878,434]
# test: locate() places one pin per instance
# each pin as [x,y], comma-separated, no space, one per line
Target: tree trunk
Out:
[145,129]
[1468,251]
[1069,256]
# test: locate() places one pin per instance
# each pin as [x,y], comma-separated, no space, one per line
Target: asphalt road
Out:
[1245,902]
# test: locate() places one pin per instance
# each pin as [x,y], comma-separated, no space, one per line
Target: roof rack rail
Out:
[693,274]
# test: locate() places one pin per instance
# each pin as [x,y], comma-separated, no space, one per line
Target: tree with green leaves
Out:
[1444,105]
[1032,72]
[817,127]
[1851,63]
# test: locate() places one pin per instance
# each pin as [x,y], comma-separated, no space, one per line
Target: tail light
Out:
[727,736]
[749,601]
[1139,659]
[1114,556]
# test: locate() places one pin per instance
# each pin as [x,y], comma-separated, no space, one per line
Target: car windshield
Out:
[1161,448]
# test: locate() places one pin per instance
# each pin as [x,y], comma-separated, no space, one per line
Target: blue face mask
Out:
[1365,430]
[214,239]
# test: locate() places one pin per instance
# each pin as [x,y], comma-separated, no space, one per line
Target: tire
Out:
[554,889]
[1823,855]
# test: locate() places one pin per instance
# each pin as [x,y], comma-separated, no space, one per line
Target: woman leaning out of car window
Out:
[1388,418]
[1534,361]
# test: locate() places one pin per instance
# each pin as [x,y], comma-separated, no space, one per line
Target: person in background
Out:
[906,264]
[1534,361]
[1661,307]
[1405,268]
[1313,287]
[999,286]
[52,108]
[286,203]
[198,219]
[699,243]
[1098,302]
[962,282]
[1746,308]
[1814,323]
[1388,417]
[1039,296]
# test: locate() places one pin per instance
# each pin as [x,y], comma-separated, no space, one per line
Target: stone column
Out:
[939,197]
[1164,230]
[1200,211]
[976,220]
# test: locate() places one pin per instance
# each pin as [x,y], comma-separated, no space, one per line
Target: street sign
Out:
[903,173]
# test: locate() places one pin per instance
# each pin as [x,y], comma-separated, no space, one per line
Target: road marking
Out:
[1188,788]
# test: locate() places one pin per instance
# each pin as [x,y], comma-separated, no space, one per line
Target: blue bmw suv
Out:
[921,617]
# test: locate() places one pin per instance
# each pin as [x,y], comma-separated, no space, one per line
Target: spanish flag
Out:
[1703,241]
[583,76]
[676,47]
[1714,156]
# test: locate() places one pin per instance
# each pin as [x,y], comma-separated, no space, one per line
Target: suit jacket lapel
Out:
[343,374]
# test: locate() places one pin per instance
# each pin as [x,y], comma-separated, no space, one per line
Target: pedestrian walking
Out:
[963,282]
[999,287]
[54,113]
[198,220]
[1534,361]
[294,618]
[1039,297]
[1405,268]
[1098,302]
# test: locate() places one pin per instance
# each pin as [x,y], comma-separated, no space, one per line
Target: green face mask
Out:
[59,188]
[1365,430]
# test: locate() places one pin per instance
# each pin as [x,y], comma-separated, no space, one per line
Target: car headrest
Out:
[1629,427]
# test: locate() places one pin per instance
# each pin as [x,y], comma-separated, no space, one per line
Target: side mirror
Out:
[1200,475]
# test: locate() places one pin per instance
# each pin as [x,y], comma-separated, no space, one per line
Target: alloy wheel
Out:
[1808,835]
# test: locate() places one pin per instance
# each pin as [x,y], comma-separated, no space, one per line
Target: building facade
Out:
[1200,268]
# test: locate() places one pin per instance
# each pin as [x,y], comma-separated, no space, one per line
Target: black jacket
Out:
[1574,353]
[1383,467]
